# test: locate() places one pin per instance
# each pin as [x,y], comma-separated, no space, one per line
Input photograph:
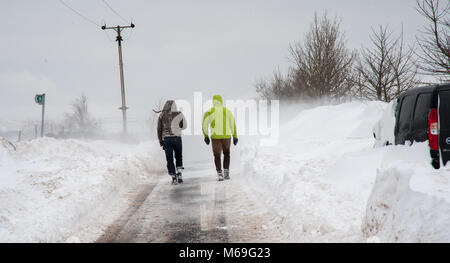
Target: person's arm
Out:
[205,123]
[183,123]
[232,124]
[159,130]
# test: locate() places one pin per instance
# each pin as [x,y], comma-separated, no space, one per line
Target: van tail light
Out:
[433,129]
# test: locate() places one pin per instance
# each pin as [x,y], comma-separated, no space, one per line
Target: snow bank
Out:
[384,128]
[320,175]
[328,182]
[410,201]
[7,177]
[49,186]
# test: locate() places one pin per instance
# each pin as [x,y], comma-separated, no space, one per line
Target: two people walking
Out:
[218,128]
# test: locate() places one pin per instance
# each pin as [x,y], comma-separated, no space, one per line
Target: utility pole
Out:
[119,39]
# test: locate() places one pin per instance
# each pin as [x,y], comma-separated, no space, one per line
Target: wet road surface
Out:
[199,210]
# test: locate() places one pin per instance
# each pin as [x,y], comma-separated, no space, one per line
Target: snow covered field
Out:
[330,184]
[49,187]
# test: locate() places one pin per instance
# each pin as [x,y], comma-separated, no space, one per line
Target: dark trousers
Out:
[171,145]
[219,146]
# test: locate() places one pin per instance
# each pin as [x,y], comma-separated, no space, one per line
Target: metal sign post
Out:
[40,99]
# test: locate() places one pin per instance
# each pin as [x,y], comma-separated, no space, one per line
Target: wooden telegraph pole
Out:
[119,39]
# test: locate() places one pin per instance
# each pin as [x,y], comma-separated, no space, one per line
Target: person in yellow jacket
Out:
[219,121]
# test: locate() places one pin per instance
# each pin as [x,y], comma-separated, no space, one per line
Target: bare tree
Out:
[404,67]
[434,43]
[275,88]
[80,121]
[322,66]
[158,106]
[322,63]
[386,69]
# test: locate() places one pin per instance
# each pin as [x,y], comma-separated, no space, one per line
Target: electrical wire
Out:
[109,38]
[92,22]
[115,12]
[78,13]
[130,34]
[106,32]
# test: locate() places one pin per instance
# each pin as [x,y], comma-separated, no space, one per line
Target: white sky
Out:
[177,47]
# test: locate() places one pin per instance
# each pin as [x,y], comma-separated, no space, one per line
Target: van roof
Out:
[423,89]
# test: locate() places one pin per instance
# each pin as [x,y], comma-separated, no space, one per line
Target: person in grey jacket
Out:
[170,124]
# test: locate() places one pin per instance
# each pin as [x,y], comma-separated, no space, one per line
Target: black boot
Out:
[226,174]
[180,174]
[174,179]
[220,175]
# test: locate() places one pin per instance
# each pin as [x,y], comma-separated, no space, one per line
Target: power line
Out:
[130,34]
[106,33]
[115,12]
[109,38]
[78,13]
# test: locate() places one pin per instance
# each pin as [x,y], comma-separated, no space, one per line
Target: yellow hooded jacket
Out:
[220,119]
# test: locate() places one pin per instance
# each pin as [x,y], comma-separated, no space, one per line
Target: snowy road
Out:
[199,210]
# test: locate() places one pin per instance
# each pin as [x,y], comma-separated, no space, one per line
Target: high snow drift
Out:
[410,201]
[330,184]
[320,175]
[48,186]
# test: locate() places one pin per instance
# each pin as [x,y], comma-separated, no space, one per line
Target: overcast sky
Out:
[177,47]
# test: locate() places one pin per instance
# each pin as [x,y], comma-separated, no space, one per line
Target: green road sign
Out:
[39,98]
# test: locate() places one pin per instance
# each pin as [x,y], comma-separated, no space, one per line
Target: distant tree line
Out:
[322,65]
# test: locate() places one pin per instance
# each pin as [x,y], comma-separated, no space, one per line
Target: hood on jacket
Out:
[217,100]
[169,106]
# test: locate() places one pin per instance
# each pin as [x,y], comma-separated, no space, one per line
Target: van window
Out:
[444,106]
[406,111]
[421,112]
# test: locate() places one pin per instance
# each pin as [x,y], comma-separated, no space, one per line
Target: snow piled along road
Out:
[49,187]
[325,180]
[329,184]
[410,201]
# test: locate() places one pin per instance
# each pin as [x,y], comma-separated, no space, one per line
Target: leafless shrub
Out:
[277,87]
[79,122]
[157,108]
